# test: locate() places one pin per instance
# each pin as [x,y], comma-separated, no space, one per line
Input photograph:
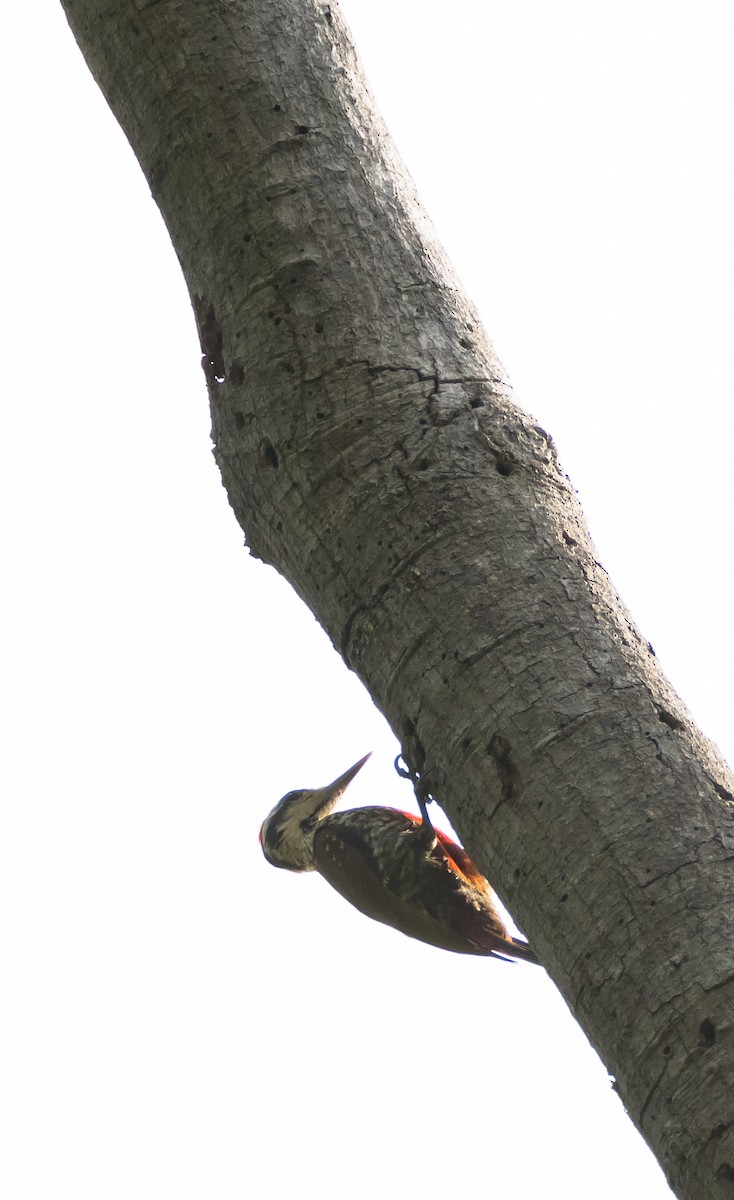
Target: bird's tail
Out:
[523,950]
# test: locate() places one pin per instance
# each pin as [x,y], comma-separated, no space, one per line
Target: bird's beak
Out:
[334,790]
[323,800]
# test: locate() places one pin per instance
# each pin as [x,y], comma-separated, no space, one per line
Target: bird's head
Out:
[286,834]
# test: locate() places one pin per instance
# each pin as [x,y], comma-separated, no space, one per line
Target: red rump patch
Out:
[461,860]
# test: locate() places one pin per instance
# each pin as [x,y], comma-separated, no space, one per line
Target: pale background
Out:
[178,1019]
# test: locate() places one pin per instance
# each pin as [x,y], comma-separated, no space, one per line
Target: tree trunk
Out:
[372,453]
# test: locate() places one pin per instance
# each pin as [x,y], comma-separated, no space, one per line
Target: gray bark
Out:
[371,451]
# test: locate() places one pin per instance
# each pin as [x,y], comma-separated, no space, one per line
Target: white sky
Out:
[177,1019]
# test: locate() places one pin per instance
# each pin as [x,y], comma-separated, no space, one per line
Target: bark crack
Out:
[651,1093]
[715,987]
[516,631]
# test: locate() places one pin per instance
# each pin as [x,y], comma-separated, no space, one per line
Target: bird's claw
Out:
[421,787]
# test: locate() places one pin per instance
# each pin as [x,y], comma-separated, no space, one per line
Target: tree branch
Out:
[372,453]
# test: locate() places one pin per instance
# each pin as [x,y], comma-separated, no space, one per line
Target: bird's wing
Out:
[346,862]
[390,866]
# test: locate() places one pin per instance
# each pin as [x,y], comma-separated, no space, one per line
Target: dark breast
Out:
[393,868]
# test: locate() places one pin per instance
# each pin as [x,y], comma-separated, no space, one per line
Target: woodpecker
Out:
[392,866]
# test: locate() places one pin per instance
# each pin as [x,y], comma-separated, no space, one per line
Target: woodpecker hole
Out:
[465,343]
[477,403]
[707,1030]
[668,719]
[563,898]
[666,1050]
[302,129]
[276,108]
[211,340]
[504,465]
[266,456]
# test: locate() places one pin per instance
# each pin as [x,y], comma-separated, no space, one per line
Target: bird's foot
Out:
[421,787]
